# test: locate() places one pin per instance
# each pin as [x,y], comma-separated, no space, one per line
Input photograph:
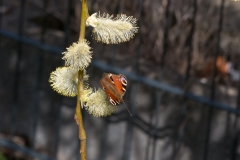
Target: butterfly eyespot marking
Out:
[123,80]
[123,89]
[122,76]
[110,76]
[112,102]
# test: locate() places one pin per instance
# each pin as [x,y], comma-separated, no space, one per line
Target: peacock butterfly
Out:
[115,87]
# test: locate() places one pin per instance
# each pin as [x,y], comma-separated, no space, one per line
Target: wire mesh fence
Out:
[175,115]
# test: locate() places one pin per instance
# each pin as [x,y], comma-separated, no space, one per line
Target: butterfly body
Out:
[114,86]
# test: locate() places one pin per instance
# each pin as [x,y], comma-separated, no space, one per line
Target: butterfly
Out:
[115,87]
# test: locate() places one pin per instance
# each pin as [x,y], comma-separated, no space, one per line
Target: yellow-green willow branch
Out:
[78,114]
[84,15]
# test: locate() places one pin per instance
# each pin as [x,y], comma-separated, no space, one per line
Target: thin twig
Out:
[84,14]
[78,114]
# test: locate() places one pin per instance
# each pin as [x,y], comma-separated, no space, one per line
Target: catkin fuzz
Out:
[111,30]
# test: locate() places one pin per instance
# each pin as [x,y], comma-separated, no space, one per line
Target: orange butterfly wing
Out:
[114,86]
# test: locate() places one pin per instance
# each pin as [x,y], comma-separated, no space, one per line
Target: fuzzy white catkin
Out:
[111,30]
[98,104]
[64,81]
[78,55]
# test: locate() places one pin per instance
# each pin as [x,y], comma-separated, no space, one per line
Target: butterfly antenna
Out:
[127,108]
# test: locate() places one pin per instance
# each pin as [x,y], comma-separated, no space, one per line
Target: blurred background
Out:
[183,81]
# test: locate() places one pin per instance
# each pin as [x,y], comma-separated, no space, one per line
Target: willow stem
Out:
[78,113]
[78,117]
[84,15]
